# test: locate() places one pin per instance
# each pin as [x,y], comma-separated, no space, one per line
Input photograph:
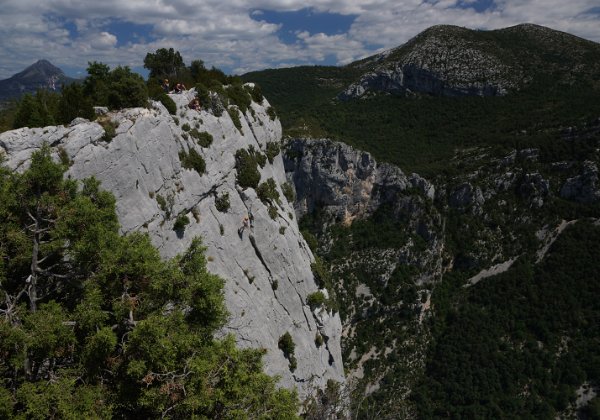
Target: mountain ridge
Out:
[40,75]
[447,60]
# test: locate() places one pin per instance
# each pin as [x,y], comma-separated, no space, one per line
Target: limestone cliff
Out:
[267,268]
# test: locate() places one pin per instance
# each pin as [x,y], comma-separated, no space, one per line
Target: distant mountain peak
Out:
[40,75]
[41,68]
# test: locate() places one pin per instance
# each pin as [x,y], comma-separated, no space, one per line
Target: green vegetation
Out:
[532,327]
[273,150]
[239,96]
[234,114]
[288,192]
[246,164]
[192,160]
[117,88]
[315,299]
[287,346]
[256,93]
[319,340]
[272,210]
[222,202]
[267,192]
[37,111]
[120,332]
[110,128]
[421,134]
[73,103]
[164,64]
[181,222]
[169,103]
[203,138]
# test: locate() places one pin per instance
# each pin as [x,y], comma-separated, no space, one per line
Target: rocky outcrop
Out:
[349,183]
[583,188]
[404,79]
[442,61]
[267,267]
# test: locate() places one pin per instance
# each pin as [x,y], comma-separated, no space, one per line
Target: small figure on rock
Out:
[179,87]
[195,104]
[245,225]
[165,86]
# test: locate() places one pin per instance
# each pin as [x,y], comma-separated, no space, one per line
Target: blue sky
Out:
[239,36]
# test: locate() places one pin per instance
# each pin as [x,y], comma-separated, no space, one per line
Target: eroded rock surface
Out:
[266,268]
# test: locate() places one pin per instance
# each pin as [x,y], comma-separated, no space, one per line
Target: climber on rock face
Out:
[165,85]
[179,87]
[245,225]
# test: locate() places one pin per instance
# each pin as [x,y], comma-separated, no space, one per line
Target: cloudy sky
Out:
[242,35]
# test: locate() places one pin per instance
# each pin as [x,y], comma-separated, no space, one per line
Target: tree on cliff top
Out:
[96,325]
[164,63]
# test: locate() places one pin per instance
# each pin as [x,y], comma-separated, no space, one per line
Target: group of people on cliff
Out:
[179,88]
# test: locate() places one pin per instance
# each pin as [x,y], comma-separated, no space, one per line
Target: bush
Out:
[168,103]
[316,299]
[239,96]
[271,113]
[213,102]
[247,171]
[288,192]
[203,138]
[272,150]
[260,158]
[203,94]
[267,192]
[192,160]
[272,212]
[222,202]
[181,222]
[256,93]
[286,344]
[318,340]
[186,127]
[109,129]
[235,118]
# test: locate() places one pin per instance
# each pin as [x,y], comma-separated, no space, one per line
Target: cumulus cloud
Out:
[235,35]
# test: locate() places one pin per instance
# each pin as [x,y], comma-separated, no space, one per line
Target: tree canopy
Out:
[164,63]
[97,325]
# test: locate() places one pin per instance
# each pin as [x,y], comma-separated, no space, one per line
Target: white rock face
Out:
[267,270]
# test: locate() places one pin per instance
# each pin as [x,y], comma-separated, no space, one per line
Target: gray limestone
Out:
[349,183]
[141,163]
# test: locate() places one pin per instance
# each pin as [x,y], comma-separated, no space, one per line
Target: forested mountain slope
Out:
[481,298]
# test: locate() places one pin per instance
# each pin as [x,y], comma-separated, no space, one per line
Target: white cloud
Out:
[234,34]
[103,41]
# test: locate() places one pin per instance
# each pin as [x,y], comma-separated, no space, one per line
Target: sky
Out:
[238,36]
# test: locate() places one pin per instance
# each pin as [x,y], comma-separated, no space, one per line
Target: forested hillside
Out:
[493,313]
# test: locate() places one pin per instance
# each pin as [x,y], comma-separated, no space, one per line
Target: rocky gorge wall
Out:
[267,268]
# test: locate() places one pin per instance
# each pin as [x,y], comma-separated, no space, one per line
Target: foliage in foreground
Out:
[95,325]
